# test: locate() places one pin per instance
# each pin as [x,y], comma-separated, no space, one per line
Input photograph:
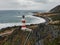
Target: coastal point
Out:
[45,30]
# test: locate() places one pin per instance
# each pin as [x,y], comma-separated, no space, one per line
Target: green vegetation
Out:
[56,41]
[56,17]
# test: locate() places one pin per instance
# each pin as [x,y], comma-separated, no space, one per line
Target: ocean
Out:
[13,17]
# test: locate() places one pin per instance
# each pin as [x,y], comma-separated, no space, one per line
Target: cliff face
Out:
[55,9]
[18,37]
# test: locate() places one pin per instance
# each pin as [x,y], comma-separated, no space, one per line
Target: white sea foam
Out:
[4,25]
[36,20]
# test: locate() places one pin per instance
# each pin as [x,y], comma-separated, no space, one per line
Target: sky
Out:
[28,4]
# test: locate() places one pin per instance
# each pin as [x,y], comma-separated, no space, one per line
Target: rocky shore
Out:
[47,33]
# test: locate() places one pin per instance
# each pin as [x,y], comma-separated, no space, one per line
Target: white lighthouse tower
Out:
[23,27]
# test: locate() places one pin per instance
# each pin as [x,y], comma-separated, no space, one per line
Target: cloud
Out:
[40,1]
[28,4]
[56,1]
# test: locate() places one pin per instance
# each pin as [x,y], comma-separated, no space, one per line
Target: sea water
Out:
[10,18]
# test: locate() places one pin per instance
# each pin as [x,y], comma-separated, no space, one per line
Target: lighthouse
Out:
[23,27]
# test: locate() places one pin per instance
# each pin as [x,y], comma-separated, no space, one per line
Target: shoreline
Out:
[5,25]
